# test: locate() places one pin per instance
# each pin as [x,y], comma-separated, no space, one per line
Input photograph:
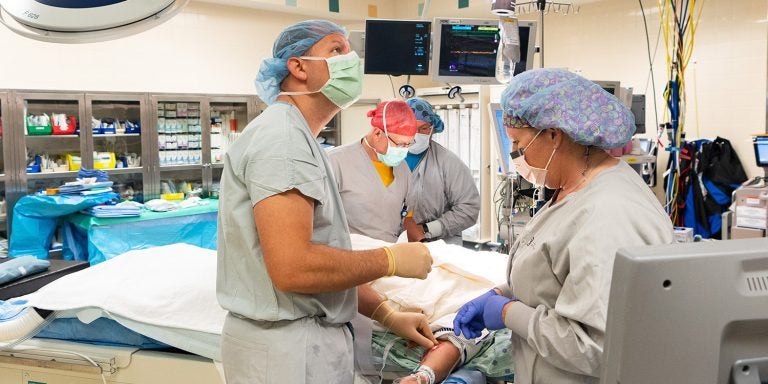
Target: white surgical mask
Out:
[534,175]
[420,144]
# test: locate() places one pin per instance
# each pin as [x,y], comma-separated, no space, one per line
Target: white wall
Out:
[606,41]
[207,48]
[212,48]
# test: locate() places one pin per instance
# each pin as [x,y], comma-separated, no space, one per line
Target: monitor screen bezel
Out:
[393,22]
[500,134]
[757,142]
[483,80]
[610,84]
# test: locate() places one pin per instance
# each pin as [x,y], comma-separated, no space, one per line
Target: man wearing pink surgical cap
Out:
[372,176]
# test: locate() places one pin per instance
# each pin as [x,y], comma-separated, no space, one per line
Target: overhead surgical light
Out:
[85,21]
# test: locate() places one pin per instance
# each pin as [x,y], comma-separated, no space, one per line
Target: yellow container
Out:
[104,160]
[73,161]
[172,196]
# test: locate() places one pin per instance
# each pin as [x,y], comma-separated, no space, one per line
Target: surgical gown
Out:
[274,154]
[442,190]
[560,270]
[373,209]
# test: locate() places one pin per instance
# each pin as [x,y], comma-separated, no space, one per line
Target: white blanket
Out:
[458,275]
[173,287]
[169,286]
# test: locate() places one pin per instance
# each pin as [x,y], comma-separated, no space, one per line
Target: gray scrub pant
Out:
[297,352]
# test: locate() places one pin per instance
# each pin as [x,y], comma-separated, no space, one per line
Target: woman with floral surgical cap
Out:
[556,298]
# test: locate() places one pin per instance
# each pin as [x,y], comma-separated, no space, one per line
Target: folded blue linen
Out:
[19,267]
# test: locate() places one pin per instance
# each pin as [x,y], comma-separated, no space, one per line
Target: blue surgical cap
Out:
[555,98]
[294,41]
[425,112]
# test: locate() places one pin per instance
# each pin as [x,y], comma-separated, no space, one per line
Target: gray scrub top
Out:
[442,189]
[276,153]
[373,210]
[561,268]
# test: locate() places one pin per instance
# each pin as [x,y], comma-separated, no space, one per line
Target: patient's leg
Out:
[440,360]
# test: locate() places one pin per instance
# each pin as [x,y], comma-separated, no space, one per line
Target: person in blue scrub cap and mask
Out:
[443,196]
[372,175]
[556,299]
[286,274]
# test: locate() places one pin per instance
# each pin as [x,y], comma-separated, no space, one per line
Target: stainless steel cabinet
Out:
[148,143]
[5,156]
[118,139]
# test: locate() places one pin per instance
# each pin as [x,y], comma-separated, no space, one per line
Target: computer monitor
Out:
[397,47]
[612,87]
[638,110]
[465,49]
[686,313]
[503,147]
[761,150]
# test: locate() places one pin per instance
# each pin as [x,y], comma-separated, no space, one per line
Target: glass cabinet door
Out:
[4,125]
[179,146]
[330,136]
[227,120]
[229,115]
[116,123]
[52,145]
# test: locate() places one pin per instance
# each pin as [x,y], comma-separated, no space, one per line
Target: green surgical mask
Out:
[345,81]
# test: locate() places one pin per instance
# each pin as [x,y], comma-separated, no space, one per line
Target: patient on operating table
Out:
[457,273]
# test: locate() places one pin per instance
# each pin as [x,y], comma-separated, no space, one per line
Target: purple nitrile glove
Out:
[492,313]
[469,319]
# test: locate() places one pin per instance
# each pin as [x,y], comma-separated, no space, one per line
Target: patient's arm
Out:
[442,359]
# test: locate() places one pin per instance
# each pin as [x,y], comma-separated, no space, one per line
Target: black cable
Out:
[650,63]
[394,95]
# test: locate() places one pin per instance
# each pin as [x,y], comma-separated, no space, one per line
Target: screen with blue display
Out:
[470,50]
[761,150]
[504,145]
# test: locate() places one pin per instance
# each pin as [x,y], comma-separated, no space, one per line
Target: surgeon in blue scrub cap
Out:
[286,273]
[443,197]
[556,299]
[294,42]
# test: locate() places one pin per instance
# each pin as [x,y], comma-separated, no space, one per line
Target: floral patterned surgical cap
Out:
[555,98]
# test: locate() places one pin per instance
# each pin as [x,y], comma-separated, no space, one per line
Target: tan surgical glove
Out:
[409,260]
[408,325]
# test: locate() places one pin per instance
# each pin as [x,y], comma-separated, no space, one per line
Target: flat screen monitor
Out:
[397,47]
[688,313]
[612,87]
[503,147]
[465,50]
[761,150]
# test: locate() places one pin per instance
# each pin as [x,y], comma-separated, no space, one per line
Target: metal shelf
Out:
[187,167]
[52,136]
[638,159]
[123,171]
[50,175]
[117,135]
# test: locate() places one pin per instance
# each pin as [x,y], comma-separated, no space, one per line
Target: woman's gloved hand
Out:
[469,319]
[493,313]
[409,260]
[408,325]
